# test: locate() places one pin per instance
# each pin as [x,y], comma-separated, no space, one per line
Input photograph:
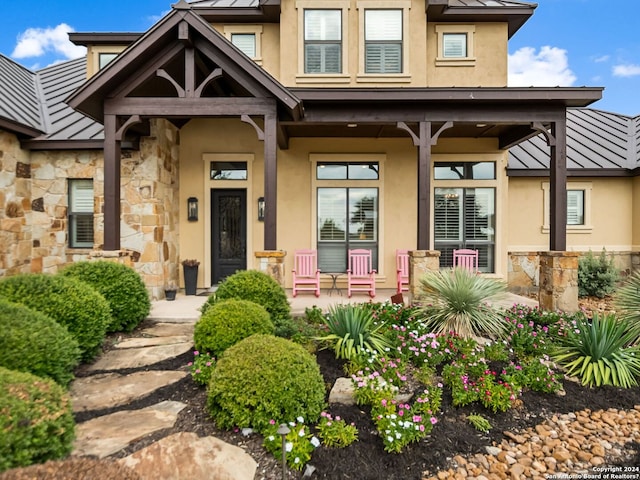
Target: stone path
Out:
[178,456]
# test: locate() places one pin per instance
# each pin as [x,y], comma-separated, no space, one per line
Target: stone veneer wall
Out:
[15,207]
[34,202]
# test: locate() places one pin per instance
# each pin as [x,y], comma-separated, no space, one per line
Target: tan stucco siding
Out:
[608,215]
[635,208]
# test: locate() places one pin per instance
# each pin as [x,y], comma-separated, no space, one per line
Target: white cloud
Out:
[548,68]
[601,59]
[36,42]
[630,70]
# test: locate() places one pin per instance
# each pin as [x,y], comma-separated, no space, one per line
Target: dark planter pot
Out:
[170,295]
[190,279]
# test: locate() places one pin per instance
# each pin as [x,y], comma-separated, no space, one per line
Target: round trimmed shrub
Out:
[121,286]
[229,321]
[36,420]
[68,301]
[263,378]
[259,288]
[32,342]
[76,468]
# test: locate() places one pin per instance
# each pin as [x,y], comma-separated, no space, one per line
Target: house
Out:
[236,131]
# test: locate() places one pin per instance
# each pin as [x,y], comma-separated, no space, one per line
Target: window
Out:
[455,45]
[578,207]
[322,41]
[383,41]
[347,171]
[347,219]
[228,171]
[464,171]
[105,58]
[81,213]
[246,42]
[465,218]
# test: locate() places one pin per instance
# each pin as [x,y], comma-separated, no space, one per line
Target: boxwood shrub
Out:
[229,321]
[260,288]
[32,342]
[68,301]
[36,421]
[264,378]
[121,286]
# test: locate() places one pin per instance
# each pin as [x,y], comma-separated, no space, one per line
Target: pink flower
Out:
[272,422]
[196,353]
[434,420]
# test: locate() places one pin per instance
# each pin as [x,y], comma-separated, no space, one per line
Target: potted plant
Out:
[190,270]
[170,291]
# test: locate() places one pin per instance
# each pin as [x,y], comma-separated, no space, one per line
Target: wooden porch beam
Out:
[189,107]
[424,186]
[558,187]
[270,182]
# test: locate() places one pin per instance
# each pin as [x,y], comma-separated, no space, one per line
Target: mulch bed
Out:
[366,458]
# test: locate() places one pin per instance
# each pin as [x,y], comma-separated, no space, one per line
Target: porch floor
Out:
[186,308]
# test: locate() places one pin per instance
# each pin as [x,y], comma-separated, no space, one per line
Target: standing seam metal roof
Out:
[19,95]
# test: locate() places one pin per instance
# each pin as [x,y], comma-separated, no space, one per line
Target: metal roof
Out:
[18,95]
[224,3]
[595,140]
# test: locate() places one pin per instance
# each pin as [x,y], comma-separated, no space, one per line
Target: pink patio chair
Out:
[360,276]
[402,270]
[306,276]
[466,258]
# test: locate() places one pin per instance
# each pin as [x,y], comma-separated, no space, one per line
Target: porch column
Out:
[271,263]
[558,281]
[420,262]
[558,185]
[424,185]
[111,184]
[270,182]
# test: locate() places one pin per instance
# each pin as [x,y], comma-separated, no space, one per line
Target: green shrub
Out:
[456,301]
[259,288]
[36,421]
[68,301]
[627,302]
[352,331]
[265,378]
[121,286]
[597,352]
[32,342]
[597,277]
[229,321]
[73,468]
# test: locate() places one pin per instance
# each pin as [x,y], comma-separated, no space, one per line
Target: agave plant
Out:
[456,301]
[627,302]
[353,330]
[597,352]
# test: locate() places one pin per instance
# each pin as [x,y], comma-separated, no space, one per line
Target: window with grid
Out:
[246,42]
[81,213]
[322,41]
[383,41]
[465,218]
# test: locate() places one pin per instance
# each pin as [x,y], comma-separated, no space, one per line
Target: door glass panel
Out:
[230,221]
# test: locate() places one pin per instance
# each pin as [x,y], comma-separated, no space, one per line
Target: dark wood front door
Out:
[228,233]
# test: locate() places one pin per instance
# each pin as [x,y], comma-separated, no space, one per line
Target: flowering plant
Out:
[299,443]
[334,432]
[202,367]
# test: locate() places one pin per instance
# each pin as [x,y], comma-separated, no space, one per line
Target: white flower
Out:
[398,436]
[300,420]
[301,432]
[271,438]
[390,438]
[315,442]
[288,446]
[296,460]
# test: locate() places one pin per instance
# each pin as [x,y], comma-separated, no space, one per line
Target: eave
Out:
[86,39]
[19,128]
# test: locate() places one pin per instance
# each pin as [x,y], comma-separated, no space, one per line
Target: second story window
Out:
[105,58]
[246,42]
[454,45]
[383,41]
[322,41]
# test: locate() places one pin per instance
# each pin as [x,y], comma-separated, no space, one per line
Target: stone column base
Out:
[271,262]
[558,281]
[420,262]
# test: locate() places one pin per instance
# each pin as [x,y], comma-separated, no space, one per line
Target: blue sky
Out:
[565,43]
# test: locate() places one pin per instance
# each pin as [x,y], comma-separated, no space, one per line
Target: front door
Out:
[228,233]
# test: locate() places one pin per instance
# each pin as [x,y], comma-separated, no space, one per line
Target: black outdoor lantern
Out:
[261,209]
[192,209]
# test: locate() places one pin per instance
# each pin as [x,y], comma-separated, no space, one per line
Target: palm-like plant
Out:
[596,352]
[353,330]
[627,302]
[456,301]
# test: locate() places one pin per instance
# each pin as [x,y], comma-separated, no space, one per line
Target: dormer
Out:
[102,48]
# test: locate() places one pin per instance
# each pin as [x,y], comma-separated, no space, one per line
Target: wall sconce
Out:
[192,209]
[261,209]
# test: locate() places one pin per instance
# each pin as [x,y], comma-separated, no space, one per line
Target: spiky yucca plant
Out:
[596,351]
[352,330]
[456,301]
[627,303]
